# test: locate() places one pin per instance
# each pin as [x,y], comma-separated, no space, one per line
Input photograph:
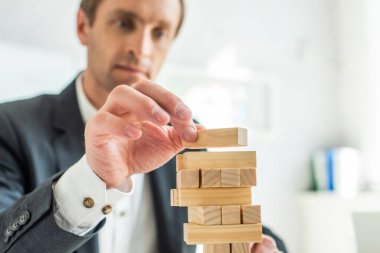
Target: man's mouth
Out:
[132,70]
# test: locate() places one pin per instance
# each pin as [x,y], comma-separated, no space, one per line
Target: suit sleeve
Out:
[78,183]
[27,221]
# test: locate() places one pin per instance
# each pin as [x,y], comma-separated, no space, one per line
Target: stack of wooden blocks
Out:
[216,188]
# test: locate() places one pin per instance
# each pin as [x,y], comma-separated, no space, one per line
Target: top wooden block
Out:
[219,138]
[217,160]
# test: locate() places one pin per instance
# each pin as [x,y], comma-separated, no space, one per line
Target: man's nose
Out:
[142,45]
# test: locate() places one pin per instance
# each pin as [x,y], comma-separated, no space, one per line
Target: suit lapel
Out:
[68,123]
[169,220]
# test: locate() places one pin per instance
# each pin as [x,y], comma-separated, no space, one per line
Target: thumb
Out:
[268,245]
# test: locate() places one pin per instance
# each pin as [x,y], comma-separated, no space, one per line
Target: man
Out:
[55,191]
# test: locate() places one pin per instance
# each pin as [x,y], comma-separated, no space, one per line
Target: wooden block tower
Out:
[216,188]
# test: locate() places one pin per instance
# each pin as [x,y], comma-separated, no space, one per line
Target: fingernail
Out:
[190,134]
[183,112]
[159,114]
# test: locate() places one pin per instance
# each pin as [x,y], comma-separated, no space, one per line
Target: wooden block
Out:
[205,215]
[240,248]
[230,178]
[179,162]
[210,178]
[174,197]
[217,248]
[216,138]
[212,196]
[251,214]
[188,179]
[200,234]
[247,177]
[219,160]
[231,215]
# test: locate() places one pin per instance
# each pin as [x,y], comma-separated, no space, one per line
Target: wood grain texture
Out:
[210,178]
[212,196]
[251,214]
[200,234]
[217,248]
[219,160]
[179,162]
[174,197]
[247,177]
[205,215]
[231,215]
[222,137]
[240,248]
[230,178]
[188,179]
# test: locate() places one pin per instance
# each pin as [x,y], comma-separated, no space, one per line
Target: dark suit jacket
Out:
[39,139]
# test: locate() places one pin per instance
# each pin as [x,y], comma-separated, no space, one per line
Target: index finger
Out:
[180,115]
[124,100]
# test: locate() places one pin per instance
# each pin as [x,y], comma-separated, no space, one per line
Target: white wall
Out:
[27,71]
[293,41]
[39,51]
[359,77]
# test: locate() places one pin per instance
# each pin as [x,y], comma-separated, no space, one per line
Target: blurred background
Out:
[302,75]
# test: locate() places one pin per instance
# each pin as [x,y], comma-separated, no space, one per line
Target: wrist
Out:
[125,186]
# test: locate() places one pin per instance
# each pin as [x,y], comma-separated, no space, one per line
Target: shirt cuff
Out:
[81,199]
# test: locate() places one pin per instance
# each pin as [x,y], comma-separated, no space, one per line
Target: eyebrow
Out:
[133,15]
[129,14]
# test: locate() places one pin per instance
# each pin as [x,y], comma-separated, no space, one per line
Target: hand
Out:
[268,245]
[130,133]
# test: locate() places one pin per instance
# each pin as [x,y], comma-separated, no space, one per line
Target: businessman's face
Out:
[129,39]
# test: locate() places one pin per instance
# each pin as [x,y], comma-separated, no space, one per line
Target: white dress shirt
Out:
[130,227]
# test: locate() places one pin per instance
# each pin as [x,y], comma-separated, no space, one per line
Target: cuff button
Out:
[24,218]
[8,231]
[15,226]
[107,209]
[88,202]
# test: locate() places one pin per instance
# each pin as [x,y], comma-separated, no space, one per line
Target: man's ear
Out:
[83,27]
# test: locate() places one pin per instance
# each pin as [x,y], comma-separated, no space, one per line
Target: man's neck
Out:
[94,91]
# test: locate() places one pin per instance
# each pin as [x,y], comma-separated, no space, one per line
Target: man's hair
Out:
[90,6]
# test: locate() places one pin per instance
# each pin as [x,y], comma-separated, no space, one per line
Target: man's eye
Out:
[125,24]
[158,33]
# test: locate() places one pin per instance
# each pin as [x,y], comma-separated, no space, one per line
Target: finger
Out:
[166,99]
[269,241]
[180,114]
[186,130]
[199,126]
[261,248]
[268,245]
[189,131]
[105,123]
[126,100]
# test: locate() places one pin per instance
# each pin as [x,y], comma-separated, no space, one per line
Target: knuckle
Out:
[141,85]
[171,99]
[100,117]
[120,89]
[149,104]
[95,123]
